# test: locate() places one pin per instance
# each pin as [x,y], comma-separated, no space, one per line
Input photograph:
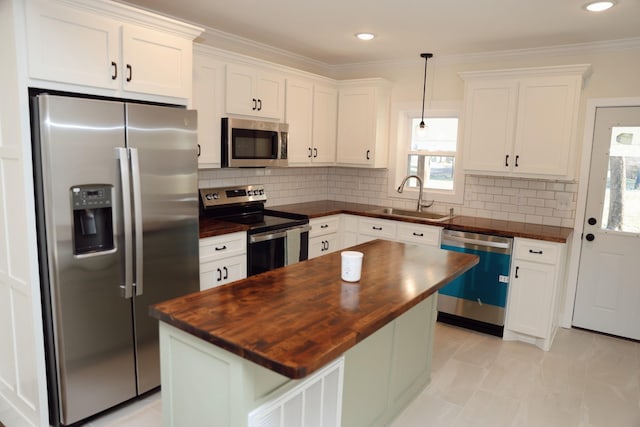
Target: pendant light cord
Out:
[426,57]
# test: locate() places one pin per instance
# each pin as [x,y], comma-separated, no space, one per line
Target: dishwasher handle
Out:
[486,243]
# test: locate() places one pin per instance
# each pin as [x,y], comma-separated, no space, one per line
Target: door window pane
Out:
[621,210]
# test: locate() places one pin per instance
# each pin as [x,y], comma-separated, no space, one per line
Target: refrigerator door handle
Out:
[126,289]
[137,217]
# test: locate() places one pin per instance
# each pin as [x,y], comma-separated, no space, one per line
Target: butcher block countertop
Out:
[459,222]
[296,319]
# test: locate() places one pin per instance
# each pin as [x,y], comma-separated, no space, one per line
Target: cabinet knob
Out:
[592,221]
[418,234]
[368,154]
[315,153]
[255,104]
[129,72]
[221,248]
[517,157]
[517,269]
[377,228]
[590,237]
[310,152]
[506,160]
[115,70]
[259,104]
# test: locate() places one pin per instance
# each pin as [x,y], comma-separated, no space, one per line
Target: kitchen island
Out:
[232,351]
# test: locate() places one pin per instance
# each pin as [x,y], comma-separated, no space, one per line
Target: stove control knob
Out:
[250,193]
[212,196]
[262,192]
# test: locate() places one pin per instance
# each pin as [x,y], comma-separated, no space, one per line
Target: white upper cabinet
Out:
[208,100]
[522,122]
[363,123]
[252,92]
[96,44]
[312,115]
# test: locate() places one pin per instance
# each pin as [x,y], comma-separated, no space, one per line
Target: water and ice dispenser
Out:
[92,218]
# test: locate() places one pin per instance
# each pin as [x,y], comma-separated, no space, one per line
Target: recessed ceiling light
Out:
[365,36]
[599,6]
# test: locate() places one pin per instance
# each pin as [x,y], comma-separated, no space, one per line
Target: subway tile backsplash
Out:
[513,199]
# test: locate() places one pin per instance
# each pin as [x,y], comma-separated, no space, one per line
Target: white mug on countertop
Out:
[351,265]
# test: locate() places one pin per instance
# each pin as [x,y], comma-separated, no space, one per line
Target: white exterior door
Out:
[608,291]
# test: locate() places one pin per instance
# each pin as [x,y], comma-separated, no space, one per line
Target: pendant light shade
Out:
[421,129]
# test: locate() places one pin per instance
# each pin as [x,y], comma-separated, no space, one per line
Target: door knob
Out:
[592,221]
[590,237]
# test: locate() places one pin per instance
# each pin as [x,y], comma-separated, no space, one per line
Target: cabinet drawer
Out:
[419,234]
[216,273]
[377,228]
[214,248]
[537,251]
[324,225]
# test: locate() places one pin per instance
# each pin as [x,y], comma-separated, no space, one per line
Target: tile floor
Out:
[586,380]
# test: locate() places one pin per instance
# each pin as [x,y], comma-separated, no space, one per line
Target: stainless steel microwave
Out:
[253,143]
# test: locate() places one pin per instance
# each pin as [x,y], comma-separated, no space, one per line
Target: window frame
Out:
[399,155]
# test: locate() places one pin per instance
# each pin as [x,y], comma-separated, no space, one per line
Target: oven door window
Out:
[265,256]
[254,144]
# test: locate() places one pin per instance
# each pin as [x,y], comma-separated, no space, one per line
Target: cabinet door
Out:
[156,62]
[489,125]
[270,95]
[325,124]
[546,116]
[356,131]
[299,117]
[227,270]
[208,87]
[240,88]
[69,46]
[530,297]
[323,245]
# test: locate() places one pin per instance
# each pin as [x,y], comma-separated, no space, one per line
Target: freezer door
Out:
[90,325]
[164,151]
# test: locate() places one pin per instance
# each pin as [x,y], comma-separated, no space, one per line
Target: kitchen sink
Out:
[413,214]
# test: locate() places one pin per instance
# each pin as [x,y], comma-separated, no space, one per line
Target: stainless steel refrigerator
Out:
[116,194]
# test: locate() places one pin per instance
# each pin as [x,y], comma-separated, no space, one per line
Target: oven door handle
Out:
[277,234]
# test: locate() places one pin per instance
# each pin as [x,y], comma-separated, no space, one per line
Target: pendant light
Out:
[421,129]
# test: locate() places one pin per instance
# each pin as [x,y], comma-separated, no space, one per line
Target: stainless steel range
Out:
[274,239]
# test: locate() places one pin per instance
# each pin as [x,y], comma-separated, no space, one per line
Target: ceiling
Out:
[324,30]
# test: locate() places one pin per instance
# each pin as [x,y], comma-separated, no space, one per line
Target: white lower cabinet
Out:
[535,291]
[324,236]
[419,234]
[223,259]
[374,228]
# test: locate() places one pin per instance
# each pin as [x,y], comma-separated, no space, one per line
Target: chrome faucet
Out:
[401,188]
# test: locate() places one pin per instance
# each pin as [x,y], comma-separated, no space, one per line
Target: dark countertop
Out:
[296,319]
[461,223]
[210,227]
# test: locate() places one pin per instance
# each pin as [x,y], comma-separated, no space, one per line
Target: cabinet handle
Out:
[368,155]
[327,244]
[315,153]
[310,152]
[517,268]
[517,157]
[255,104]
[219,274]
[115,70]
[221,248]
[199,150]
[226,273]
[259,104]
[129,72]
[418,234]
[324,226]
[377,228]
[531,251]
[506,160]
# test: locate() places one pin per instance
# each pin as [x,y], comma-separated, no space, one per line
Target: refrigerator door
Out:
[90,325]
[163,144]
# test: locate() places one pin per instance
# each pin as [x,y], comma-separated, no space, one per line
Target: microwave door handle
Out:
[122,154]
[137,217]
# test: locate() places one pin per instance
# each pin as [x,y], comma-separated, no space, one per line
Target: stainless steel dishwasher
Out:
[477,299]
